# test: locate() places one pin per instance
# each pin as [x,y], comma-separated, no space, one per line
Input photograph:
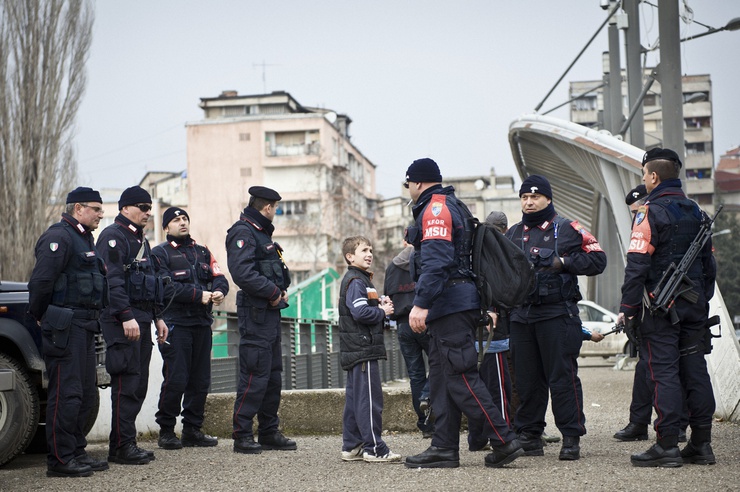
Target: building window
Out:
[245,172]
[695,123]
[586,103]
[651,100]
[292,143]
[297,207]
[244,137]
[695,148]
[233,111]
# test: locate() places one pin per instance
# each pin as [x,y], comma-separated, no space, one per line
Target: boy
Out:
[361,315]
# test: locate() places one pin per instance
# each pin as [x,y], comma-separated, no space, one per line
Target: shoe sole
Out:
[101,467]
[568,457]
[113,459]
[279,448]
[507,460]
[700,461]
[437,464]
[50,473]
[662,463]
[247,451]
[631,438]
[353,458]
[534,452]
[186,444]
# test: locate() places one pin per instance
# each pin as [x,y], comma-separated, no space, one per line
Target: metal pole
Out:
[633,51]
[670,79]
[616,114]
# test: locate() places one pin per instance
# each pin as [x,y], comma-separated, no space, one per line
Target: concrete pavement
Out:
[316,466]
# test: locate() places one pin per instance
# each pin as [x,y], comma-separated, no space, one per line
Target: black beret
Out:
[171,213]
[661,154]
[83,194]
[423,171]
[134,195]
[638,193]
[265,193]
[536,184]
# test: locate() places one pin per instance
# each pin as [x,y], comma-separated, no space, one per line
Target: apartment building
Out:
[697,114]
[306,154]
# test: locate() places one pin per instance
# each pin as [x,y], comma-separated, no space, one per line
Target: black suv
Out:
[23,409]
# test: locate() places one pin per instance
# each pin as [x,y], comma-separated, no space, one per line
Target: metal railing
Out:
[310,350]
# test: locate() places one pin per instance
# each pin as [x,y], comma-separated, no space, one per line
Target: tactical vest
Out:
[685,217]
[199,273]
[267,257]
[463,246]
[358,342]
[143,286]
[83,283]
[549,287]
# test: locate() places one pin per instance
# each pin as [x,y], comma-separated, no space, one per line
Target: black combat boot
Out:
[246,445]
[277,441]
[571,449]
[192,438]
[129,454]
[699,450]
[94,464]
[434,457]
[664,453]
[532,444]
[168,439]
[503,455]
[633,432]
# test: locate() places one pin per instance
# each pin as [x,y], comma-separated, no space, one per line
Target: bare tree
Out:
[44,45]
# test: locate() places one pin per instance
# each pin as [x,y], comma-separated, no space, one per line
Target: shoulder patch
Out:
[436,223]
[240,243]
[641,233]
[53,246]
[112,243]
[588,243]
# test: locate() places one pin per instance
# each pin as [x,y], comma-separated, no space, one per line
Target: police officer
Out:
[136,293]
[448,306]
[662,232]
[67,290]
[546,334]
[197,285]
[256,266]
[641,407]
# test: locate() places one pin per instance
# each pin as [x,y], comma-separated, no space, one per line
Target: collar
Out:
[542,218]
[367,273]
[258,221]
[81,229]
[176,242]
[134,229]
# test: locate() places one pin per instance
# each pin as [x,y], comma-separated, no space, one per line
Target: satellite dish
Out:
[480,184]
[331,117]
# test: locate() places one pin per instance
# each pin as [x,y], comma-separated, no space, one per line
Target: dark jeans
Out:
[413,346]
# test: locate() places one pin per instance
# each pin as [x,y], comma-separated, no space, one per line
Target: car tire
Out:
[19,412]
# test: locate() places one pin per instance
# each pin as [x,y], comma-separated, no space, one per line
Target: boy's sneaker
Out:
[390,456]
[353,455]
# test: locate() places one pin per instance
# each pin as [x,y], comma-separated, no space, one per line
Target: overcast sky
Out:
[443,79]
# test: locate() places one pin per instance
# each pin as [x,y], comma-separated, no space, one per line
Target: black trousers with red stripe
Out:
[545,355]
[71,391]
[494,371]
[455,385]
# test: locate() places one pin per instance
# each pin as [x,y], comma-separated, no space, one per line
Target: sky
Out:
[418,78]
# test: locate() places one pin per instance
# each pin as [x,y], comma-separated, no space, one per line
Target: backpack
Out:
[503,274]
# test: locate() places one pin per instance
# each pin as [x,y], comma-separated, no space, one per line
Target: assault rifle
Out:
[675,281]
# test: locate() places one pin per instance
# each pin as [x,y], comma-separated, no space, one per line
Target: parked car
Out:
[596,318]
[23,409]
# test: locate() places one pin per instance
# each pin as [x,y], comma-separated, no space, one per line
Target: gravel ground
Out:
[316,465]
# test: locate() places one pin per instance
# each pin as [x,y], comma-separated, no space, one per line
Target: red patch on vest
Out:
[589,243]
[641,233]
[436,223]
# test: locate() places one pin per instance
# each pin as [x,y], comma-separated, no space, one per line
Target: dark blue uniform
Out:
[546,334]
[68,274]
[444,285]
[256,266]
[135,293]
[673,354]
[187,355]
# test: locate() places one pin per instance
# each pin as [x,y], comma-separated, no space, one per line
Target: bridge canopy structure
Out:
[590,172]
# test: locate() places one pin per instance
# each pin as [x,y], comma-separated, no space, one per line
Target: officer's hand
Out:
[217,298]
[285,296]
[596,337]
[494,318]
[418,319]
[162,331]
[620,319]
[131,330]
[206,297]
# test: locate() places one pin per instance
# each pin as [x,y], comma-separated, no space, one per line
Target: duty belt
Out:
[86,313]
[458,281]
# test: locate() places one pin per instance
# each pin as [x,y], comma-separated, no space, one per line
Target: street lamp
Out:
[733,25]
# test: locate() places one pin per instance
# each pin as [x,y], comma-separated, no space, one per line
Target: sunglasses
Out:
[144,207]
[406,184]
